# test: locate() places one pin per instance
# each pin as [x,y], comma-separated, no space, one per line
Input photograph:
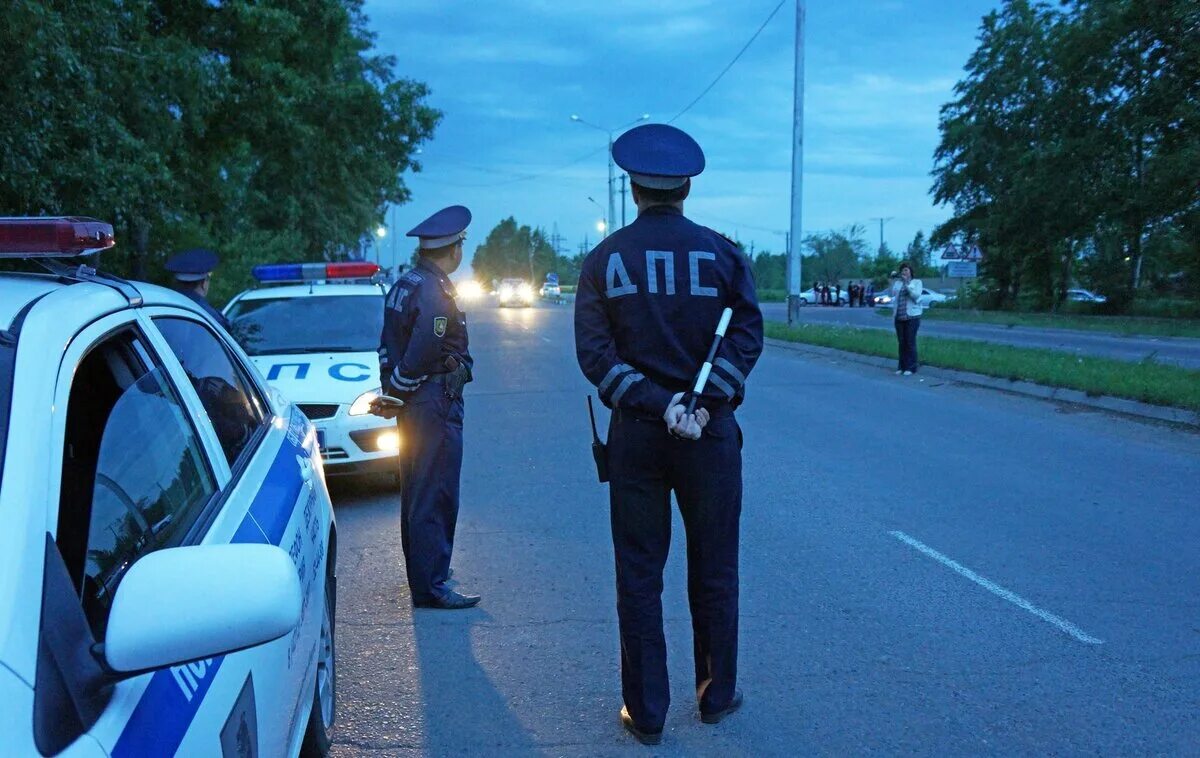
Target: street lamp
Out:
[380,233]
[612,209]
[602,224]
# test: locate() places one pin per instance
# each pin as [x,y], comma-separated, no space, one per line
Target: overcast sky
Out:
[508,74]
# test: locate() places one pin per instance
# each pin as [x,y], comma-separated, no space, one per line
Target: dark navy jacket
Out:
[422,326]
[648,303]
[205,306]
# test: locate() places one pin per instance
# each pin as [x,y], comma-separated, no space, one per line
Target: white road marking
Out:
[994,588]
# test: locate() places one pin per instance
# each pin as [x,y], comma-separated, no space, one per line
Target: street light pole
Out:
[612,205]
[797,171]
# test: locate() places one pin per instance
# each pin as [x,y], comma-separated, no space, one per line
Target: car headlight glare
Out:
[362,404]
[388,442]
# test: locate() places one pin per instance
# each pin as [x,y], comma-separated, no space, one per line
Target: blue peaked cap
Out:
[447,226]
[192,265]
[658,156]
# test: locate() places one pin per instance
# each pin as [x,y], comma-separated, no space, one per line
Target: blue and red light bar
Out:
[313,272]
[53,237]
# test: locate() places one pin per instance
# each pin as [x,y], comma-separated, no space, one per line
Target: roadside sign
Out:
[552,278]
[962,269]
[951,253]
[974,254]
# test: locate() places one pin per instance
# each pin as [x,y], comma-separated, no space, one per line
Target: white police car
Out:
[318,343]
[168,546]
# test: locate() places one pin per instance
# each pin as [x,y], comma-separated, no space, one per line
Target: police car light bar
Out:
[53,237]
[313,272]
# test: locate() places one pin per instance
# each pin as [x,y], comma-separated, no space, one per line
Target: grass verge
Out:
[1125,325]
[1146,382]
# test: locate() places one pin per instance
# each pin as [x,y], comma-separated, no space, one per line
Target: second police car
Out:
[168,550]
[313,331]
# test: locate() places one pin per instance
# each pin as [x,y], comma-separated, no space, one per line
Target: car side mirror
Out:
[188,603]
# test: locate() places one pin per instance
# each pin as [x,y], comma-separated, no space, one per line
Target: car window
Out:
[332,324]
[8,354]
[232,401]
[134,474]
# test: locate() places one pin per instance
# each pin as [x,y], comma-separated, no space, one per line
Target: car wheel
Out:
[316,737]
[804,301]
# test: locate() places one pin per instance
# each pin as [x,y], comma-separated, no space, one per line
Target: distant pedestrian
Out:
[906,293]
[837,299]
[871,294]
[862,291]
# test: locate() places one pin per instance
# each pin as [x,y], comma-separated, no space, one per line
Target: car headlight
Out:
[525,291]
[362,404]
[470,290]
[506,293]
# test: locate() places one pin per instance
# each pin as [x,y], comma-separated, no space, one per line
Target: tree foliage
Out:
[266,129]
[515,251]
[1070,149]
[835,255]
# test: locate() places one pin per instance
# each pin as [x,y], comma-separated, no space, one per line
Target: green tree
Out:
[514,251]
[1070,149]
[879,267]
[770,270]
[265,129]
[836,255]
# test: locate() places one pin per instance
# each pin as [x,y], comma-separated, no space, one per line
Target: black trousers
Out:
[906,335]
[430,464]
[646,465]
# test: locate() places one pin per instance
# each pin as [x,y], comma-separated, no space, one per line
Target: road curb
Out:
[1028,389]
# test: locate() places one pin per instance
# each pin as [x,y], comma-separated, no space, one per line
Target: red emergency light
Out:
[53,237]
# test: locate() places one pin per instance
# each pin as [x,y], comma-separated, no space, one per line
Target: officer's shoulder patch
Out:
[412,276]
[439,325]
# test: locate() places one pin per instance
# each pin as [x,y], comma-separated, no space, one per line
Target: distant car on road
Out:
[927,299]
[515,292]
[808,297]
[1085,296]
[551,291]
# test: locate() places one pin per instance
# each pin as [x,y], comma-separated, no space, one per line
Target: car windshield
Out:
[319,324]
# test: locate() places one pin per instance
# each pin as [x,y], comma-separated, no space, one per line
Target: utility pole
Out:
[797,170]
[623,176]
[882,221]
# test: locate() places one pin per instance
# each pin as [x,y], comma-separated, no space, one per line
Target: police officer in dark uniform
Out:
[649,299]
[423,360]
[193,275]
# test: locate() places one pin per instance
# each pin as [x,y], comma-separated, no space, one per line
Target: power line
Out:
[735,60]
[516,176]
[740,225]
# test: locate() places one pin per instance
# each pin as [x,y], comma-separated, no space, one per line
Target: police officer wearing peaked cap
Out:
[649,299]
[423,360]
[193,275]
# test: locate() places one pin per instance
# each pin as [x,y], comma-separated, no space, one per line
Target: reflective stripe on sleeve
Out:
[623,387]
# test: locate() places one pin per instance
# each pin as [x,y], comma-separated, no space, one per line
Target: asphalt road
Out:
[1180,351]
[926,568]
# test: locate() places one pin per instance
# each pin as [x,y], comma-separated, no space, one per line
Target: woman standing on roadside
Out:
[906,293]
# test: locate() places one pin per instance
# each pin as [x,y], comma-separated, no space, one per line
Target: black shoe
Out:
[646,738]
[451,601]
[716,716]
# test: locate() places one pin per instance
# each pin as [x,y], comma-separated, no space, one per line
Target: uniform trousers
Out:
[647,464]
[431,446]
